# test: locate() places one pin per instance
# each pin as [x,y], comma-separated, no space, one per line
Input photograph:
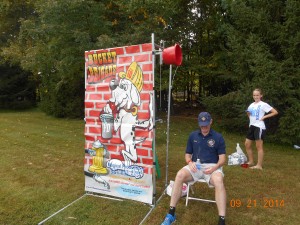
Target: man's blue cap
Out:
[204,119]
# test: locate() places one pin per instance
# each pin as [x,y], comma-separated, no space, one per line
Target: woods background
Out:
[230,47]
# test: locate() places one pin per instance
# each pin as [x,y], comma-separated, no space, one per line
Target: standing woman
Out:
[257,128]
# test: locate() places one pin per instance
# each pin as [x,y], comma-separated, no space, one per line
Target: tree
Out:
[51,43]
[261,40]
[202,71]
[17,90]
[52,46]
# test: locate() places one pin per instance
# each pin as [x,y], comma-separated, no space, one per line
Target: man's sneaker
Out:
[169,219]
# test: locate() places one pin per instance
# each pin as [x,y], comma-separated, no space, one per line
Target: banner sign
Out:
[119,122]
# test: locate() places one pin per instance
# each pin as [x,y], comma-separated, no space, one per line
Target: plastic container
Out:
[198,164]
[238,148]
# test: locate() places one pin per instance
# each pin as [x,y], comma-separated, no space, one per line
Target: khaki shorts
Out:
[200,175]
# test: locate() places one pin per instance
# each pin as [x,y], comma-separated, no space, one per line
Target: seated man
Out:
[208,146]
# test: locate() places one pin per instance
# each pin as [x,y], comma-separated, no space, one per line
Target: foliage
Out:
[17,89]
[262,54]
[228,110]
[52,44]
[52,40]
[229,48]
[11,13]
[202,70]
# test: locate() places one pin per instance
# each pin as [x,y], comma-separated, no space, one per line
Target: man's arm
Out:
[188,159]
[222,161]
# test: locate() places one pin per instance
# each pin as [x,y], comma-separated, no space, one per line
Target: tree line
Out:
[229,48]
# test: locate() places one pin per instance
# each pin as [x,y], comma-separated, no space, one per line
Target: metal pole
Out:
[162,45]
[60,210]
[160,87]
[153,121]
[153,207]
[153,142]
[168,124]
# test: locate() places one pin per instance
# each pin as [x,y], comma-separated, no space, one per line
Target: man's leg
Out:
[220,193]
[182,176]
[249,151]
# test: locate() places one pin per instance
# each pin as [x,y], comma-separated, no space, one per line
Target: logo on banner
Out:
[101,65]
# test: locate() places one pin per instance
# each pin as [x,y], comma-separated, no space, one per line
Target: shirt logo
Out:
[211,142]
[257,112]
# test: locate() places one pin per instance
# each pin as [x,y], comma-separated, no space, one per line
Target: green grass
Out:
[41,171]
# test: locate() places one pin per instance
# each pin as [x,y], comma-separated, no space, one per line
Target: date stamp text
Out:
[252,203]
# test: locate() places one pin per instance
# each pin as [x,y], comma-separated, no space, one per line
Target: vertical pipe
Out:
[85,73]
[168,125]
[153,121]
[160,64]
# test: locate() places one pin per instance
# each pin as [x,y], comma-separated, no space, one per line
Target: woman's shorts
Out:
[256,133]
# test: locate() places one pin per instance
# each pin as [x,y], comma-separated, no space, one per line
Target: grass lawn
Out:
[41,171]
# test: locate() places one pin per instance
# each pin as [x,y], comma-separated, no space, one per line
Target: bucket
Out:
[107,125]
[245,165]
[172,55]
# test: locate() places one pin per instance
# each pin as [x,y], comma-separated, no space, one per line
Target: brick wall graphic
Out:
[119,122]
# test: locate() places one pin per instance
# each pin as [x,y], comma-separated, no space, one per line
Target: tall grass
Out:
[41,171]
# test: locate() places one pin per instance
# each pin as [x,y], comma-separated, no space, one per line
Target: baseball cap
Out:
[204,119]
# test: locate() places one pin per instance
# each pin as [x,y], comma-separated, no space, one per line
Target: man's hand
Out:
[192,166]
[209,170]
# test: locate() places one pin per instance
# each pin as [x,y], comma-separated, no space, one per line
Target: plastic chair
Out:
[190,186]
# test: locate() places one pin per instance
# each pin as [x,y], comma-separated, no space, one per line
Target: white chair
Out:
[190,186]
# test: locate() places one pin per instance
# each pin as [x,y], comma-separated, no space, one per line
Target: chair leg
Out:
[190,186]
[187,195]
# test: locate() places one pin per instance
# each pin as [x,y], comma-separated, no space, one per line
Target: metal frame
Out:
[190,186]
[154,53]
